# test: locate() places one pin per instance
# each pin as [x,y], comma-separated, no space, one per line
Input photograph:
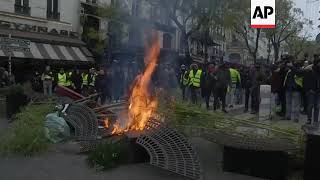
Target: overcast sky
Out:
[311,11]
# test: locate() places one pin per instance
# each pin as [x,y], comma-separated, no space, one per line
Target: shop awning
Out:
[53,52]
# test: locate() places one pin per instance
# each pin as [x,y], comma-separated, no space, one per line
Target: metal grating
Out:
[85,124]
[170,150]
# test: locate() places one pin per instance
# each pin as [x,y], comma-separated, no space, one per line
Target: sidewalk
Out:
[66,166]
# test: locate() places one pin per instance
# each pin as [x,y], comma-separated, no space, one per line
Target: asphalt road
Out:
[58,165]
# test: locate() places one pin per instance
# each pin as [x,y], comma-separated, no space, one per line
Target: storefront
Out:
[49,46]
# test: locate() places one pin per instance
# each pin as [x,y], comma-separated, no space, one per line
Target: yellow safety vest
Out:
[85,79]
[184,79]
[93,80]
[235,76]
[68,81]
[195,79]
[298,79]
[62,79]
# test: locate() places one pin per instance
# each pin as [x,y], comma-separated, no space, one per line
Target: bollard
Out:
[312,156]
[265,103]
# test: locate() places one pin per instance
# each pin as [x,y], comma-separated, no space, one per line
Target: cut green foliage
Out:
[26,135]
[185,115]
[106,156]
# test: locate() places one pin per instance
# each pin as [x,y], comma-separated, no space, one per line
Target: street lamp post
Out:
[10,60]
[110,36]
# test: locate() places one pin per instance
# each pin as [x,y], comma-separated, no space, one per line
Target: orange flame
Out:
[106,123]
[142,104]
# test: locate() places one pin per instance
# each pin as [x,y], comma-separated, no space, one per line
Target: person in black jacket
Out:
[247,87]
[312,88]
[101,86]
[223,81]
[209,83]
[257,77]
[76,79]
[293,83]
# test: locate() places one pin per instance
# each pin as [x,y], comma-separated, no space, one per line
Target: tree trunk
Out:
[254,58]
[186,45]
[276,51]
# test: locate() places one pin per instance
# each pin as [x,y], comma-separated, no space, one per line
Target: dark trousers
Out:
[208,96]
[220,95]
[104,94]
[183,88]
[304,100]
[194,94]
[255,98]
[313,104]
[282,97]
[248,93]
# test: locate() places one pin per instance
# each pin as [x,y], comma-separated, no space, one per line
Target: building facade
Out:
[52,27]
[134,29]
[237,50]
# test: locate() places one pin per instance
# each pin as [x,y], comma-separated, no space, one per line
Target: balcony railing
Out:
[22,9]
[53,15]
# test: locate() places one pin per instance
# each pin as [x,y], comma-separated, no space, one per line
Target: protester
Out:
[293,83]
[4,77]
[276,84]
[47,80]
[236,84]
[257,78]
[62,78]
[69,83]
[36,81]
[223,81]
[304,98]
[100,85]
[76,80]
[195,83]
[247,84]
[311,86]
[184,80]
[209,84]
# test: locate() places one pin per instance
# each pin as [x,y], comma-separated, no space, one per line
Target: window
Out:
[135,8]
[22,7]
[167,39]
[53,9]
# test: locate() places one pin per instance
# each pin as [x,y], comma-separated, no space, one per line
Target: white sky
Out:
[311,11]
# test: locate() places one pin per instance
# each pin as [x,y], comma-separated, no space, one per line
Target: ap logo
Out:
[263,14]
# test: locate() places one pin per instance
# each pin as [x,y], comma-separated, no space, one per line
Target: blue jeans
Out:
[293,105]
[47,87]
[313,100]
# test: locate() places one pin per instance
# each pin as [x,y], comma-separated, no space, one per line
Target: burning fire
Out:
[106,123]
[142,103]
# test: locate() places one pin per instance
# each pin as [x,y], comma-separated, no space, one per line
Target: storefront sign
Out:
[13,44]
[37,29]
[14,41]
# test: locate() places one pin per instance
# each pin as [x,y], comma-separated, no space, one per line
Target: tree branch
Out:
[287,36]
[257,41]
[284,28]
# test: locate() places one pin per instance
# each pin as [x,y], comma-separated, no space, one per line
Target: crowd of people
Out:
[297,86]
[85,82]
[220,81]
[294,83]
